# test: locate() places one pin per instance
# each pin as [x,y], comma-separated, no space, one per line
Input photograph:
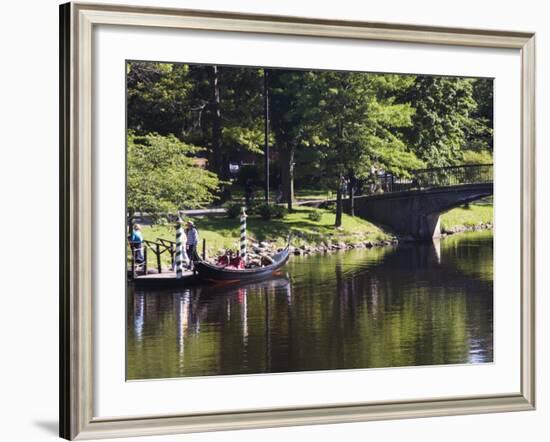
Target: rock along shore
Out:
[266,247]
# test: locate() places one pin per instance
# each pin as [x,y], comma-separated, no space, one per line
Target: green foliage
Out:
[477,157]
[170,98]
[233,210]
[163,177]
[324,124]
[315,215]
[271,211]
[451,115]
[480,136]
[160,98]
[356,118]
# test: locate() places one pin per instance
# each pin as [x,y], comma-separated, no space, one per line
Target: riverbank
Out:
[311,234]
[477,216]
[308,231]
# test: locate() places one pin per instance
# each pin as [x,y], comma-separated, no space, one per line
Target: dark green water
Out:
[416,304]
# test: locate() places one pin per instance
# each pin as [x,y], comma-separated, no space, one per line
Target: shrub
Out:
[315,215]
[233,210]
[254,207]
[267,211]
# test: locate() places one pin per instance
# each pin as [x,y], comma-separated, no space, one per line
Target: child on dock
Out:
[136,239]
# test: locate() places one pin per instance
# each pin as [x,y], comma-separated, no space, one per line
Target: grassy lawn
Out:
[221,232]
[475,214]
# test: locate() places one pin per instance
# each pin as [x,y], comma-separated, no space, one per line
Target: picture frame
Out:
[77,24]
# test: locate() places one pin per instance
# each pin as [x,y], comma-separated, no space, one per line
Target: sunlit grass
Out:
[222,233]
[467,216]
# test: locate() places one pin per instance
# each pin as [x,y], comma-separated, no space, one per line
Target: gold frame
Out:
[76,375]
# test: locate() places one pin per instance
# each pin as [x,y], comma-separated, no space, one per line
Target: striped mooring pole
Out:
[179,248]
[243,234]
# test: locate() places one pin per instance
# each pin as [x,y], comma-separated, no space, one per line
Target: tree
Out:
[480,124]
[442,119]
[218,107]
[356,120]
[289,121]
[163,177]
[159,98]
[242,103]
[216,154]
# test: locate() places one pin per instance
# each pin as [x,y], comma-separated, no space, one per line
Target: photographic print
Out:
[285,220]
[273,210]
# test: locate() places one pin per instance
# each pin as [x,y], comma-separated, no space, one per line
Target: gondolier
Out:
[192,242]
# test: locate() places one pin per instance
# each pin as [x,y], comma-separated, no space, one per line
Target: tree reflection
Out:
[415,304]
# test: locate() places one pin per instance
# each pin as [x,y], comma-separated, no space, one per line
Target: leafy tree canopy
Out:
[448,120]
[163,176]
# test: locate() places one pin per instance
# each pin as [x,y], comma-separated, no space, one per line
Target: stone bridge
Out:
[413,206]
[416,212]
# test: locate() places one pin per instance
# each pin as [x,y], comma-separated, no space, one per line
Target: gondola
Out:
[211,272]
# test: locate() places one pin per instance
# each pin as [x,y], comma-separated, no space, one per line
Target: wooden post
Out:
[159,268]
[132,253]
[145,260]
[172,252]
[203,249]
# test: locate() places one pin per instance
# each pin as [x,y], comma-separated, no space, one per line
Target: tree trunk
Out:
[351,200]
[131,213]
[339,203]
[351,191]
[287,174]
[218,157]
[215,109]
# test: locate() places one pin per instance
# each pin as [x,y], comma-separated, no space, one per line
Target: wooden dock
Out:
[165,280]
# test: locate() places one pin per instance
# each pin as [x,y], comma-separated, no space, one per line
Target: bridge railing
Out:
[432,177]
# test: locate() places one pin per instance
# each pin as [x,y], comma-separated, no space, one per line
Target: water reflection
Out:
[415,304]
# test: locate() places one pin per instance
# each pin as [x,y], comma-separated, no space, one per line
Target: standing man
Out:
[192,241]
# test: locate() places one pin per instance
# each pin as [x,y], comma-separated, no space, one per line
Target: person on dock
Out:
[136,240]
[192,241]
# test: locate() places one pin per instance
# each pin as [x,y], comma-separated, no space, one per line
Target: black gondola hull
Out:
[209,272]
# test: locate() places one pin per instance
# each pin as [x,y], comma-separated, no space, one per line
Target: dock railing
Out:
[153,248]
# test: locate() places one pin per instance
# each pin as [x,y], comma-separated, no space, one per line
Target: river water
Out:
[414,304]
